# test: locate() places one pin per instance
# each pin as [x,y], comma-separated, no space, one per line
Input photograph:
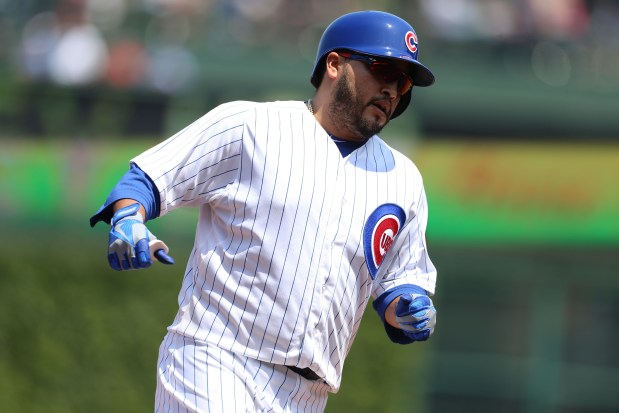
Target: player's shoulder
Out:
[382,145]
[245,114]
[247,105]
[281,106]
[236,106]
[246,110]
[397,155]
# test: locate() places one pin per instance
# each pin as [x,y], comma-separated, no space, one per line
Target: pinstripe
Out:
[239,243]
[214,279]
[270,208]
[188,164]
[278,273]
[287,242]
[188,134]
[314,249]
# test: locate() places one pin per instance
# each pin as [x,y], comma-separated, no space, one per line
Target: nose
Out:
[390,89]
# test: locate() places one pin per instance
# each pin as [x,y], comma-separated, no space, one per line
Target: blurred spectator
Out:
[500,19]
[108,15]
[155,52]
[62,46]
[127,64]
[173,66]
[79,58]
[451,19]
[559,19]
[40,37]
[257,9]
[173,70]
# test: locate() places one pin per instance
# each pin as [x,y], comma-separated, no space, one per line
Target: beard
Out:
[347,110]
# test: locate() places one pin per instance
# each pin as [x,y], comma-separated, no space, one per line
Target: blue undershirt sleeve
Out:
[135,184]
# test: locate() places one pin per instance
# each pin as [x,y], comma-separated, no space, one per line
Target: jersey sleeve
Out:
[408,269]
[196,164]
[408,262]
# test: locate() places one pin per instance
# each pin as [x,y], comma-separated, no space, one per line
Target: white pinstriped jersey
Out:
[291,236]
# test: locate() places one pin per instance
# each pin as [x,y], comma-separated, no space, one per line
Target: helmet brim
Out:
[421,75]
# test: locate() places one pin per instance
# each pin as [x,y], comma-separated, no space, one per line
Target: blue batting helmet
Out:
[377,34]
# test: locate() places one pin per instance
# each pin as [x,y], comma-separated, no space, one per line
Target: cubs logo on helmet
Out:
[411,41]
[379,233]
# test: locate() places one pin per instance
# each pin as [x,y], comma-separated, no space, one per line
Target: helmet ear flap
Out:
[403,104]
[319,72]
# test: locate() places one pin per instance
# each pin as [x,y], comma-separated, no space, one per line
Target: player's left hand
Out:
[131,245]
[416,316]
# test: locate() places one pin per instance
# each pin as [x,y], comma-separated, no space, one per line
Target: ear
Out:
[334,65]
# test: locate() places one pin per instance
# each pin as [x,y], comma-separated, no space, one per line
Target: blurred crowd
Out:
[164,48]
[157,43]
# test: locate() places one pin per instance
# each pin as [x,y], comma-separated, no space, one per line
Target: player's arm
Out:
[130,204]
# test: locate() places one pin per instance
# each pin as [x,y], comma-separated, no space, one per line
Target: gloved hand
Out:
[130,242]
[416,316]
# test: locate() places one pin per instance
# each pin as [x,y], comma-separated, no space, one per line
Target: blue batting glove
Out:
[416,316]
[130,241]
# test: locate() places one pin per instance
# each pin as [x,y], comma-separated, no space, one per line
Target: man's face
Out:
[362,104]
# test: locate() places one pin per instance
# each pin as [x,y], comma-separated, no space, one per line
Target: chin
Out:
[378,118]
[379,122]
[369,129]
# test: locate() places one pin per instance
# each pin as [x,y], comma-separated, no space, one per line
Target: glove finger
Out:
[163,258]
[142,254]
[419,320]
[414,326]
[420,303]
[125,262]
[112,259]
[118,252]
[419,336]
[418,316]
[409,305]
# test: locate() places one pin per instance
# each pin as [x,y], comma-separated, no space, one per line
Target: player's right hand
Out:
[416,316]
[128,246]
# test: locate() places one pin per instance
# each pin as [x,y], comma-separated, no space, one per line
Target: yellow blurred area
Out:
[522,191]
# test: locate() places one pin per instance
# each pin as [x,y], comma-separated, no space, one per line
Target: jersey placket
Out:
[333,252]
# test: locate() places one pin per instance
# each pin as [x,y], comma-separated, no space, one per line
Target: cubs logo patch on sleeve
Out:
[379,233]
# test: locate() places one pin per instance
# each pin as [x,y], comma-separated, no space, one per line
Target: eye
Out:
[390,74]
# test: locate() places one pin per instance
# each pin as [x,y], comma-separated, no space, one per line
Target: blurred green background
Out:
[518,143]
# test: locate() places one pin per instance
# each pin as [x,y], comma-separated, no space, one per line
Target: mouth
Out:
[383,106]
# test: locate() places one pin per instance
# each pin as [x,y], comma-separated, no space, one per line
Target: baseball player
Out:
[304,215]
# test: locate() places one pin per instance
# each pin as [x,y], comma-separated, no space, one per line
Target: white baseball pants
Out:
[200,377]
